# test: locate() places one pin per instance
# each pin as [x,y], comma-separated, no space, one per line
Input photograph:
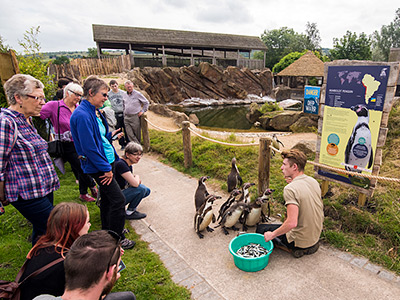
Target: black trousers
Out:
[120,124]
[70,155]
[112,205]
[281,239]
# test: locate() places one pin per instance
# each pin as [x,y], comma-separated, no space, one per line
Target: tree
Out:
[312,36]
[92,52]
[388,37]
[281,42]
[352,47]
[3,47]
[31,62]
[61,60]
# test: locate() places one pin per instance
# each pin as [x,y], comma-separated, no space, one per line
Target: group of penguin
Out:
[237,208]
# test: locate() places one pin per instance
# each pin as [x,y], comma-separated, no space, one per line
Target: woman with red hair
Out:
[67,221]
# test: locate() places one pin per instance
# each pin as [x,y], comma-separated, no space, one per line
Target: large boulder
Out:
[254,113]
[283,121]
[307,147]
[282,93]
[304,124]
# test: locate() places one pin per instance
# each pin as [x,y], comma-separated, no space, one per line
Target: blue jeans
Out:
[37,212]
[134,195]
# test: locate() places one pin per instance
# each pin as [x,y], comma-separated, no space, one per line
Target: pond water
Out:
[230,116]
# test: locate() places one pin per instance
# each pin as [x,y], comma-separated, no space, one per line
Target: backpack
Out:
[10,289]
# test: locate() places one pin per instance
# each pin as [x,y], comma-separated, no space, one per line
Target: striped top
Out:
[27,168]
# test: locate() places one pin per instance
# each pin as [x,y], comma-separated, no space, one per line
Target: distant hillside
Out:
[75,54]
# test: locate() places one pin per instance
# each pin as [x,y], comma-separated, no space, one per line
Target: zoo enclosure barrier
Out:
[264,156]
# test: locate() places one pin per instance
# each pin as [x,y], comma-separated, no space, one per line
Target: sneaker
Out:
[299,252]
[86,198]
[135,215]
[125,231]
[127,244]
[94,191]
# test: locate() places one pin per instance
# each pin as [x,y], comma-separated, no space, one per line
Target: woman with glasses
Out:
[130,183]
[93,143]
[27,175]
[59,113]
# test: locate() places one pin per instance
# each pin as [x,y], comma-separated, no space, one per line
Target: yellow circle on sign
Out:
[332,149]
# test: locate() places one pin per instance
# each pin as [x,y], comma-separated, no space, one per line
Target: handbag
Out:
[55,148]
[10,289]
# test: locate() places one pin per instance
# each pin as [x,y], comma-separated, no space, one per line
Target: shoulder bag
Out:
[55,148]
[10,289]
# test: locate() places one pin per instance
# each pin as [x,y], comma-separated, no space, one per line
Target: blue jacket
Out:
[87,139]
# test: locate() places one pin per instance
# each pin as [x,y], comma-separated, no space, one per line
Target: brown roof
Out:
[107,35]
[307,65]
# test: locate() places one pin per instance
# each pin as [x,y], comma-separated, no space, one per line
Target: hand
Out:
[107,178]
[140,114]
[268,235]
[3,199]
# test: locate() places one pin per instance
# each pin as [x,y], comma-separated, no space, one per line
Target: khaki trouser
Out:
[132,127]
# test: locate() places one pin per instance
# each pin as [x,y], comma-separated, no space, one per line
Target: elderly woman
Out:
[27,175]
[93,143]
[60,113]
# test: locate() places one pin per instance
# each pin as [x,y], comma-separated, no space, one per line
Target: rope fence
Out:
[266,147]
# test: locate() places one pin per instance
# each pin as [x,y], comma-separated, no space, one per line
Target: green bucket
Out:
[250,264]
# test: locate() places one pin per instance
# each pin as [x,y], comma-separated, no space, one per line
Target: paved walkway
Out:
[206,267]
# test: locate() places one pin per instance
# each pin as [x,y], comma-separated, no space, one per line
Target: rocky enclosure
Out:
[206,81]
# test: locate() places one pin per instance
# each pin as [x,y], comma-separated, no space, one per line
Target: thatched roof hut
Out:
[176,42]
[306,66]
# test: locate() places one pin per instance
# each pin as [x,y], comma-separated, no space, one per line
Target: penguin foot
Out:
[235,228]
[225,230]
[209,229]
[200,235]
[244,228]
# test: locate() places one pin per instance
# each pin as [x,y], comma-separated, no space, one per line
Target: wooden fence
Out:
[83,67]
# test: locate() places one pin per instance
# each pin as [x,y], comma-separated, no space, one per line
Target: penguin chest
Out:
[360,150]
[206,220]
[264,208]
[253,217]
[233,218]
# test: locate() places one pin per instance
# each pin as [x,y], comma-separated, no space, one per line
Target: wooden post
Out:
[324,187]
[362,198]
[187,144]
[191,56]
[145,133]
[264,164]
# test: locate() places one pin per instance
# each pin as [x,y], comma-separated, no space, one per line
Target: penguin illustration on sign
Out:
[359,152]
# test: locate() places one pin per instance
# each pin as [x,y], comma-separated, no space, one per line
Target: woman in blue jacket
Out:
[97,155]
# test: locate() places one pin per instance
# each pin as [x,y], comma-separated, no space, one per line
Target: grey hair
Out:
[72,87]
[128,82]
[94,84]
[21,85]
[133,147]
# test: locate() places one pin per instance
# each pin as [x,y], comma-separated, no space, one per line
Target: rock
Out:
[283,121]
[254,113]
[282,93]
[206,81]
[307,147]
[304,124]
[194,119]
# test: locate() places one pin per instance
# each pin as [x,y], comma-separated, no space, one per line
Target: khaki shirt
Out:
[305,192]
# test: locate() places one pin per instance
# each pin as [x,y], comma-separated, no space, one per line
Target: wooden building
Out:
[162,47]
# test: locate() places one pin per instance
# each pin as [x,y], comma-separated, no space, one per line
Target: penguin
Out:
[245,196]
[275,144]
[252,216]
[359,152]
[201,192]
[205,215]
[265,206]
[234,179]
[231,216]
[231,199]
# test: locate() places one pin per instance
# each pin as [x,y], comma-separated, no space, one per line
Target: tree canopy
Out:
[351,46]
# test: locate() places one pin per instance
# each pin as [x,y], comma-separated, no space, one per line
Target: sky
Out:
[67,25]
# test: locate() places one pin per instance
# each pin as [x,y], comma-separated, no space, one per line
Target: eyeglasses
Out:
[36,98]
[117,239]
[137,154]
[105,95]
[76,94]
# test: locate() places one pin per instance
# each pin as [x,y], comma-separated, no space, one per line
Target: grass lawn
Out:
[145,274]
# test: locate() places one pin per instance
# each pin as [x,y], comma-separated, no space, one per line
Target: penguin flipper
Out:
[348,149]
[240,180]
[371,159]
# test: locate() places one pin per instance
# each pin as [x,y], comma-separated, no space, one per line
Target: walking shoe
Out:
[86,198]
[125,231]
[135,216]
[93,191]
[127,244]
[299,252]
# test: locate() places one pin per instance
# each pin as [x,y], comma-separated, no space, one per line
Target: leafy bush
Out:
[269,106]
